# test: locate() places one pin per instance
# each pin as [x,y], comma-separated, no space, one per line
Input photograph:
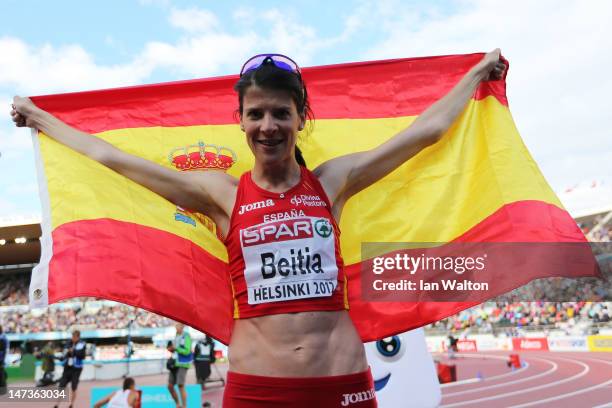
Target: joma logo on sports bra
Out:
[276,231]
[256,205]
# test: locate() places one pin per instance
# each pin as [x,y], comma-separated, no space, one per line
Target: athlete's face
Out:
[271,122]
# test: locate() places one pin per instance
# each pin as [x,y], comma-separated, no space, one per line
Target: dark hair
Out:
[269,76]
[127,383]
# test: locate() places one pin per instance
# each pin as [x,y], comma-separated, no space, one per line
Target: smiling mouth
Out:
[380,384]
[270,142]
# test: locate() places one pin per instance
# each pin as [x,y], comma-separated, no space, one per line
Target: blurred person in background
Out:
[452,346]
[124,398]
[4,349]
[47,355]
[203,357]
[182,355]
[74,354]
[204,354]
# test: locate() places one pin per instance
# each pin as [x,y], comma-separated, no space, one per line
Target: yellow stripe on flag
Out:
[429,187]
[436,187]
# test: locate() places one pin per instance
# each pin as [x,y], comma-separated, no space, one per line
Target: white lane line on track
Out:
[526,390]
[461,382]
[570,394]
[553,368]
[597,360]
[495,377]
[606,405]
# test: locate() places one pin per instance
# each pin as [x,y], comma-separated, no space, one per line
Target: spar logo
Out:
[292,229]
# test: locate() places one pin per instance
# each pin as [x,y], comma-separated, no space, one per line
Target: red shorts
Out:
[253,391]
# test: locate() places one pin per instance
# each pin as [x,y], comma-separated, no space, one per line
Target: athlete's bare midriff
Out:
[305,344]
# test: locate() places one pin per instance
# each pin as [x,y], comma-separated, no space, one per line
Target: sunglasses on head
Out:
[278,60]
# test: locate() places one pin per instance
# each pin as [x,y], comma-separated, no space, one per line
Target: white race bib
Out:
[289,259]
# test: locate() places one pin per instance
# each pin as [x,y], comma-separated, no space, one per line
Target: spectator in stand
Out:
[605,318]
[586,306]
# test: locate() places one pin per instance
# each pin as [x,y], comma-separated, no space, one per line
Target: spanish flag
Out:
[105,236]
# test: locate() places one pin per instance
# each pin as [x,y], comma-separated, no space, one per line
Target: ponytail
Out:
[299,157]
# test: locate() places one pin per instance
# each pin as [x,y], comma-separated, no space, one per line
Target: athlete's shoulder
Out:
[216,181]
[217,176]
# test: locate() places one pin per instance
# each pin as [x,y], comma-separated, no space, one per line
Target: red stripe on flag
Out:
[405,87]
[143,267]
[523,221]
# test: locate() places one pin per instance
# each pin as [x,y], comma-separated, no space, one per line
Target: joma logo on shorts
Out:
[254,206]
[358,397]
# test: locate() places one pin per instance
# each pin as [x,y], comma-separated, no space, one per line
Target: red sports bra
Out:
[284,250]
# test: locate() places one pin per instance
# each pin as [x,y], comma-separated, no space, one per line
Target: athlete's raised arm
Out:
[205,192]
[345,176]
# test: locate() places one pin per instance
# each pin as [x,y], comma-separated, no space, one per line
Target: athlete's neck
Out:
[277,177]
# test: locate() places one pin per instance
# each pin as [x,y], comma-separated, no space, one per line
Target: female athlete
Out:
[294,343]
